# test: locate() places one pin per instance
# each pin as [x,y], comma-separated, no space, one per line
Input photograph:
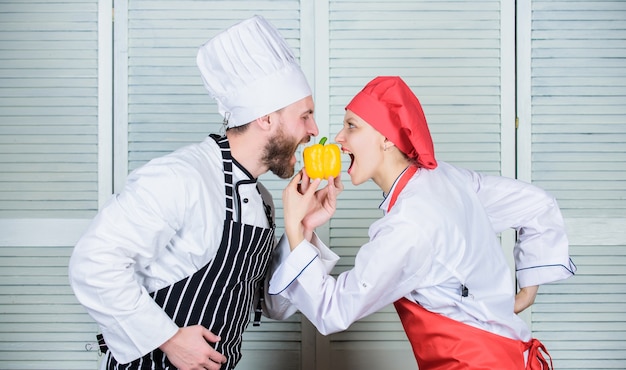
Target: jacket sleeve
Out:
[542,248]
[280,277]
[129,231]
[380,276]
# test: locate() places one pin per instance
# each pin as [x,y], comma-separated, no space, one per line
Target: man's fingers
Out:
[217,359]
[209,336]
[212,338]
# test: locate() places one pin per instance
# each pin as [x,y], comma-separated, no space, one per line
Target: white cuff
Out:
[139,333]
[545,274]
[293,263]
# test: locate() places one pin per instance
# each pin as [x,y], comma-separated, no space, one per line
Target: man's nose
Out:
[313,129]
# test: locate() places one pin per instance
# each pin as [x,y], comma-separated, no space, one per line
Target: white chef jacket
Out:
[166,224]
[440,235]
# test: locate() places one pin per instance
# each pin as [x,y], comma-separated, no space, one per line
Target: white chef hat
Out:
[250,71]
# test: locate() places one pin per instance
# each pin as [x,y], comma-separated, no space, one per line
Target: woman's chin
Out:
[354,178]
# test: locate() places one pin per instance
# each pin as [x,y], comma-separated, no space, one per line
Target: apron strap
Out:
[536,359]
[227,157]
[102,346]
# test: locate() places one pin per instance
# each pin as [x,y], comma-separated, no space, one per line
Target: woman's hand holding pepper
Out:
[325,203]
[306,207]
[296,206]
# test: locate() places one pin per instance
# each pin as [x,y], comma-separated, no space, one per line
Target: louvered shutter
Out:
[49,177]
[166,106]
[451,55]
[455,56]
[575,128]
[49,109]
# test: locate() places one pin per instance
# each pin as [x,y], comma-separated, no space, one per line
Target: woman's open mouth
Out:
[351,159]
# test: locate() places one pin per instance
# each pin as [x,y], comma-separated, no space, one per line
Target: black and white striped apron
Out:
[220,295]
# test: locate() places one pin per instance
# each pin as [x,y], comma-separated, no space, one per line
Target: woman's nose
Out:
[339,136]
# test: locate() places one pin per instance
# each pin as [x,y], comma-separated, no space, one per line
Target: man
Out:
[172,266]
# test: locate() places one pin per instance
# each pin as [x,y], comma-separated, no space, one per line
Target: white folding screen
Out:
[572,77]
[57,162]
[49,102]
[49,176]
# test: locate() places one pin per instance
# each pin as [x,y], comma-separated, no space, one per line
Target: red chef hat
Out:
[389,105]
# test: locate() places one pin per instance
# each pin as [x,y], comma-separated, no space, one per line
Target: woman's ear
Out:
[388,144]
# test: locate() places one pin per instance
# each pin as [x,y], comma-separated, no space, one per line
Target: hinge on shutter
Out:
[516,123]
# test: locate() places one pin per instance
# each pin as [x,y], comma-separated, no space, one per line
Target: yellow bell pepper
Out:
[322,161]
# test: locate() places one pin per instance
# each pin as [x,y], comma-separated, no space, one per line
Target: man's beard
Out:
[277,155]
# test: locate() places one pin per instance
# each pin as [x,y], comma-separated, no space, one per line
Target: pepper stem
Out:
[323,140]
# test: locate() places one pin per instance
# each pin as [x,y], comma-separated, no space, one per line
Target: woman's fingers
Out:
[305,181]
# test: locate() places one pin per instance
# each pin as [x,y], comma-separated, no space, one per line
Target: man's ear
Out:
[264,122]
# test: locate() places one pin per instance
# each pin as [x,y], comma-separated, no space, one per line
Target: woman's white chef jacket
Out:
[439,235]
[165,225]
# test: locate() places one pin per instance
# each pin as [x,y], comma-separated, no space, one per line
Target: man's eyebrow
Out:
[309,111]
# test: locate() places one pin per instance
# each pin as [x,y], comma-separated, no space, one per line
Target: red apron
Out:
[441,343]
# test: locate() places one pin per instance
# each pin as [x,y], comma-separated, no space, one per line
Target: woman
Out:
[435,252]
